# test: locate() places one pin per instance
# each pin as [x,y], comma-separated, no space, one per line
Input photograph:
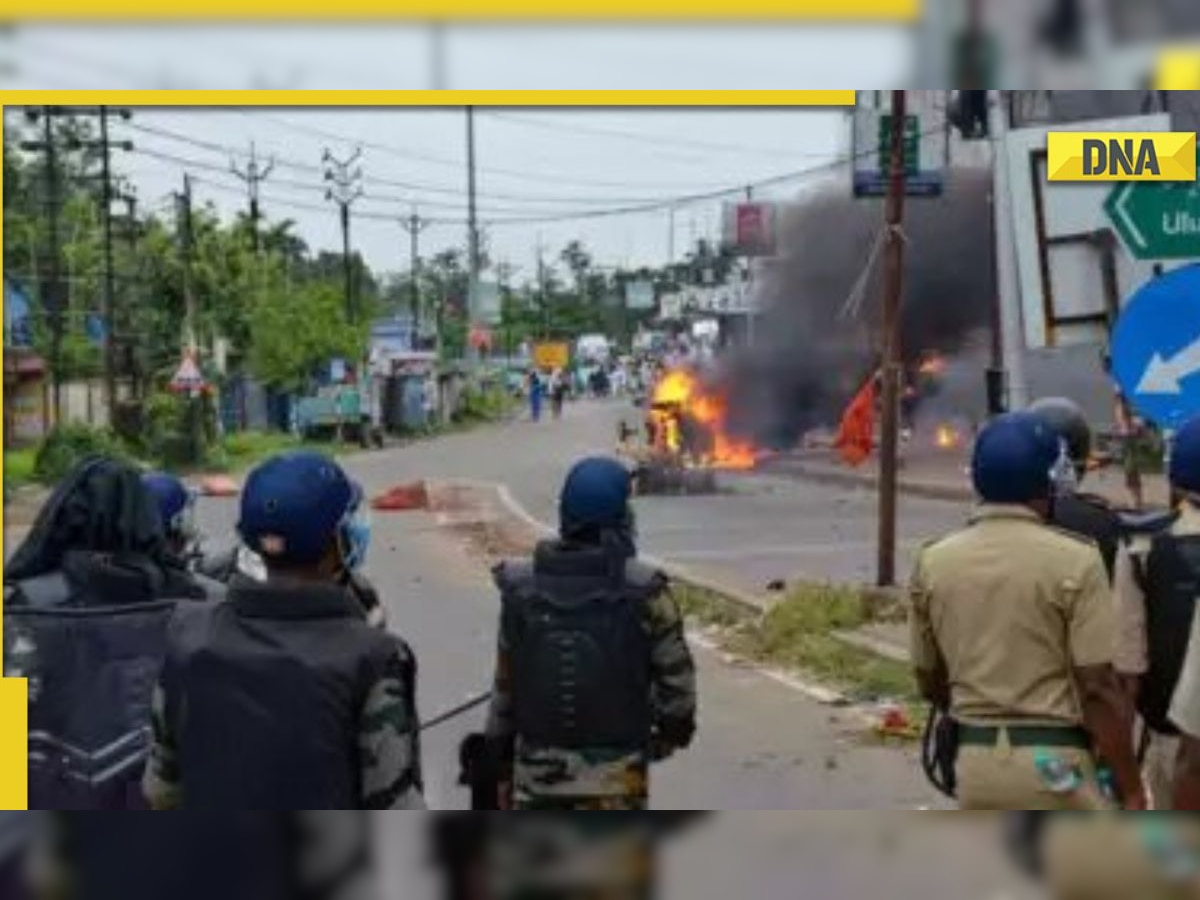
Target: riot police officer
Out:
[594,678]
[1157,571]
[283,697]
[177,509]
[1073,510]
[1161,605]
[90,591]
[1012,634]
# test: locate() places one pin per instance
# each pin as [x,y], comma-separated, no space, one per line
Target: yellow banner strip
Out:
[432,98]
[463,10]
[1179,70]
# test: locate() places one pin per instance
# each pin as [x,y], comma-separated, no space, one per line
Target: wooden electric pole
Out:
[253,175]
[51,287]
[344,189]
[891,368]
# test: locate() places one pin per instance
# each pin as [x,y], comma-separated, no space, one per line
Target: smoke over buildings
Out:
[813,349]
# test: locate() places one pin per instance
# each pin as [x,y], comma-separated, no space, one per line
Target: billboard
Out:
[485,303]
[750,228]
[639,295]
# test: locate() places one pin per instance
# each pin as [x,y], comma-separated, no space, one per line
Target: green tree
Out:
[295,332]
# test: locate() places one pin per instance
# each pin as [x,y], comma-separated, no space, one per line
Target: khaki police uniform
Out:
[1123,856]
[1010,607]
[1132,654]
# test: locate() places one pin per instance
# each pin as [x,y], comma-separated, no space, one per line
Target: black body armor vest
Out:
[264,694]
[580,651]
[1171,583]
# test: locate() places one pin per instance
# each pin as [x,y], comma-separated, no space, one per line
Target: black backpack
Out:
[1170,581]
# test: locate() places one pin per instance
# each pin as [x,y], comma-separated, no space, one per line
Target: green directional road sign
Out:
[1157,220]
[912,144]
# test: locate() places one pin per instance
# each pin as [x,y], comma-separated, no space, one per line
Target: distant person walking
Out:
[536,391]
[558,392]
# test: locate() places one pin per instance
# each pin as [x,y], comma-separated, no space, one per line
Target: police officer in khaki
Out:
[1012,633]
[1157,574]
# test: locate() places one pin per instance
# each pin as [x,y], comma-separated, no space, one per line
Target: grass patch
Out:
[244,449]
[797,633]
[18,467]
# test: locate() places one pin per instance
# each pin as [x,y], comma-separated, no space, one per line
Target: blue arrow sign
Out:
[1156,349]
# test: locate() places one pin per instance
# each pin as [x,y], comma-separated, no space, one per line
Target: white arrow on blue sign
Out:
[1156,349]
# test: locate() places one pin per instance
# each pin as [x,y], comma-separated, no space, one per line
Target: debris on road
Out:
[403,498]
[218,486]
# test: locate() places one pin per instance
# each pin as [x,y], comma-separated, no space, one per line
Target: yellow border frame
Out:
[474,11]
[13,692]
[431,98]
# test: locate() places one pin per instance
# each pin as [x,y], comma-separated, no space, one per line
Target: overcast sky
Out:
[532,164]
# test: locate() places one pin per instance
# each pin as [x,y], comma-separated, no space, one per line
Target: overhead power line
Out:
[458,164]
[285,162]
[655,139]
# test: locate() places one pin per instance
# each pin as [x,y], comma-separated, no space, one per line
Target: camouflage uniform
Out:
[554,778]
[388,742]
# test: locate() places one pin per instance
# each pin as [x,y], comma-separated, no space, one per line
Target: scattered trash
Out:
[895,722]
[777,586]
[218,486]
[403,498]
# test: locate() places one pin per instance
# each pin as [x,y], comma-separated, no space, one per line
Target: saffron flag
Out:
[856,435]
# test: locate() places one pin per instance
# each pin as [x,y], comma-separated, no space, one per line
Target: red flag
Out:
[856,436]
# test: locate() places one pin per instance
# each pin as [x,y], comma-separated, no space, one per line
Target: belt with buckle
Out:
[1025,736]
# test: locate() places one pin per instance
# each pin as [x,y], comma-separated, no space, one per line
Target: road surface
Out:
[762,745]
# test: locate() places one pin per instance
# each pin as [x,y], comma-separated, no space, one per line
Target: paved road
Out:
[763,745]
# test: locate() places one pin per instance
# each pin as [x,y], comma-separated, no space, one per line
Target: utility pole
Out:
[472,224]
[122,330]
[542,296]
[670,235]
[414,225]
[1012,327]
[253,176]
[105,146]
[186,243]
[106,199]
[51,284]
[891,368]
[344,188]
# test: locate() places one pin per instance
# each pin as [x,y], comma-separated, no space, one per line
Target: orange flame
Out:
[680,393]
[932,365]
[947,438]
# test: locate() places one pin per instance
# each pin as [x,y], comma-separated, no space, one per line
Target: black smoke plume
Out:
[809,358]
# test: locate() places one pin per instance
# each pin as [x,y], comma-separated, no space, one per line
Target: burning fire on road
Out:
[691,422]
[947,437]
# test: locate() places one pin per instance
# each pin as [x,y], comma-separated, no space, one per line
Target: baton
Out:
[457,711]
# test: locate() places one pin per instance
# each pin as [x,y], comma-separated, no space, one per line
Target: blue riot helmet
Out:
[1185,458]
[296,504]
[594,503]
[176,504]
[1017,460]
